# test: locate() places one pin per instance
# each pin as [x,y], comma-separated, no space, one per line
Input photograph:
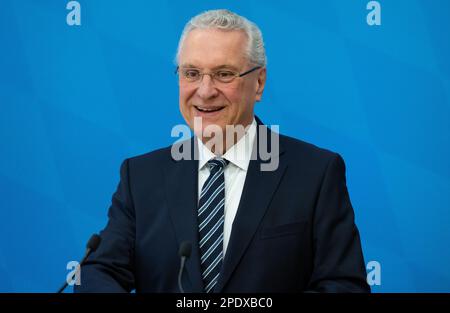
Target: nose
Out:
[206,88]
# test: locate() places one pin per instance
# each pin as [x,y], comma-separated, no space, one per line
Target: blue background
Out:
[76,100]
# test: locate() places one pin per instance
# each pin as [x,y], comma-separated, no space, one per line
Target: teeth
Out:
[208,110]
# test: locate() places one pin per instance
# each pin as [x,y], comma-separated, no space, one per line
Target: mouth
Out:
[208,109]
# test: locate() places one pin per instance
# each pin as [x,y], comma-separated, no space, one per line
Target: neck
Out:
[219,144]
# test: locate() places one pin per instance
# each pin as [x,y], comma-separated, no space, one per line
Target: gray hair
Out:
[228,21]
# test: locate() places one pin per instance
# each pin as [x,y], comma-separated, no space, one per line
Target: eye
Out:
[225,75]
[191,74]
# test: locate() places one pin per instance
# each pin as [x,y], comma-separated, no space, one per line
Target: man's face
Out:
[211,50]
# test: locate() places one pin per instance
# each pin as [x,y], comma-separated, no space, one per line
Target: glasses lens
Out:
[194,75]
[190,74]
[224,76]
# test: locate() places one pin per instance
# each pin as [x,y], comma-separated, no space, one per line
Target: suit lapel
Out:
[181,193]
[258,190]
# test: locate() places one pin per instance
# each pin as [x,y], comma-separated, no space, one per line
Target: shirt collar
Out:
[239,154]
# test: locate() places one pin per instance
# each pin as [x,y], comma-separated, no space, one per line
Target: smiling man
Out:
[219,82]
[290,229]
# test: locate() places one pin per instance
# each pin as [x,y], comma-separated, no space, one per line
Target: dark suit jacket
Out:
[294,229]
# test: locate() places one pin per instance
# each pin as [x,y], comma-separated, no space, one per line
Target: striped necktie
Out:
[210,222]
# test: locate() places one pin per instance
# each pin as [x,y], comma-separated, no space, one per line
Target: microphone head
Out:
[185,249]
[94,242]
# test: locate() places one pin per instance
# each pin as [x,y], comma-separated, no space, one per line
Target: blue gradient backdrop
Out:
[75,101]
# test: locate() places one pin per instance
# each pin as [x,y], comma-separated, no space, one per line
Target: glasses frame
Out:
[212,74]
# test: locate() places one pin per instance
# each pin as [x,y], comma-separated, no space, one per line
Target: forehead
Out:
[209,48]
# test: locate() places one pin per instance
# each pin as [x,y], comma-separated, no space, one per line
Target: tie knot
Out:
[217,164]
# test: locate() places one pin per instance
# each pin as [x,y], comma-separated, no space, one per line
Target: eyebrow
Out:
[187,66]
[223,66]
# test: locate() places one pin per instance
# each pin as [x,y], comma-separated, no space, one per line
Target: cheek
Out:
[234,97]
[184,107]
[184,98]
[239,99]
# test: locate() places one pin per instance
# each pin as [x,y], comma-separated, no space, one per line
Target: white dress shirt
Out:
[235,172]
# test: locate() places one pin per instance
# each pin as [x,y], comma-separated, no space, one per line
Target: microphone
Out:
[184,252]
[91,246]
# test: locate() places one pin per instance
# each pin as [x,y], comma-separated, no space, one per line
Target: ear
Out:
[260,83]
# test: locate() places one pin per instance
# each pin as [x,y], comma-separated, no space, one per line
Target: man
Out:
[287,229]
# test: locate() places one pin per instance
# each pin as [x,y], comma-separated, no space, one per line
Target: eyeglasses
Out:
[193,75]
